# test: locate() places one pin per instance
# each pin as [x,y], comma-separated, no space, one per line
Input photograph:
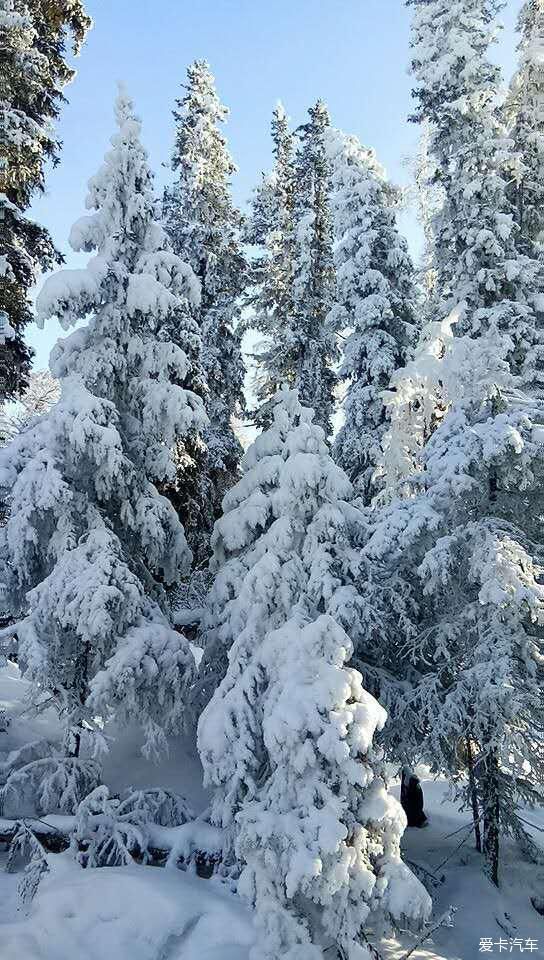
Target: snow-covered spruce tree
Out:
[463,672]
[90,544]
[477,259]
[34,35]
[271,229]
[525,119]
[461,663]
[204,229]
[241,536]
[313,337]
[286,740]
[375,303]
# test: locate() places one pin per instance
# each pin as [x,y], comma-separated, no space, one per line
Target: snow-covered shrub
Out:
[111,831]
[163,807]
[25,848]
[106,834]
[47,783]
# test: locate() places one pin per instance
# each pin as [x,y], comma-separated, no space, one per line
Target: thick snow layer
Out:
[125,913]
[482,910]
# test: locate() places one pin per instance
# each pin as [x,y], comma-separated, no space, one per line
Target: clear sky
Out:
[351,53]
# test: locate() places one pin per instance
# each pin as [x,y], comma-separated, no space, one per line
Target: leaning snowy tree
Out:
[34,35]
[204,229]
[90,545]
[525,118]
[287,738]
[464,667]
[271,229]
[375,303]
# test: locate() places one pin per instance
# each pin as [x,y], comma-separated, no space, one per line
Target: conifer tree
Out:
[34,36]
[293,279]
[525,117]
[241,537]
[461,550]
[90,545]
[286,740]
[271,228]
[204,229]
[315,347]
[375,304]
[473,160]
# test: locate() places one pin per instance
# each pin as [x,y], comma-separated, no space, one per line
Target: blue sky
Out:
[351,53]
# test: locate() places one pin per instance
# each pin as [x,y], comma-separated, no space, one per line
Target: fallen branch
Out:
[446,920]
[417,869]
[452,854]
[52,840]
[193,842]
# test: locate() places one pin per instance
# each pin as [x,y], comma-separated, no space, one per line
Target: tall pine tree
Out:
[271,228]
[525,117]
[293,279]
[457,94]
[375,304]
[204,229]
[315,349]
[34,36]
[90,545]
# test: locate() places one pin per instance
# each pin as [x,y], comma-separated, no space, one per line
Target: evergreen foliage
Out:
[286,740]
[204,229]
[525,119]
[89,545]
[34,37]
[375,304]
[271,228]
[459,538]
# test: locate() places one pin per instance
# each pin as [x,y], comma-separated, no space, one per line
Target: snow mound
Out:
[141,913]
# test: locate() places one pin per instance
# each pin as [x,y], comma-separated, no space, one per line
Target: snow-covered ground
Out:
[149,913]
[482,910]
[123,913]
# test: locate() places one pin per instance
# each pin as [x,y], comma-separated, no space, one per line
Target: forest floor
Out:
[149,913]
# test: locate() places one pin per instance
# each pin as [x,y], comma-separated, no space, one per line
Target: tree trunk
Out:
[474,797]
[491,804]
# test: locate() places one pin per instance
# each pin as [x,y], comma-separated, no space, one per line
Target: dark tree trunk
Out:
[491,804]
[474,797]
